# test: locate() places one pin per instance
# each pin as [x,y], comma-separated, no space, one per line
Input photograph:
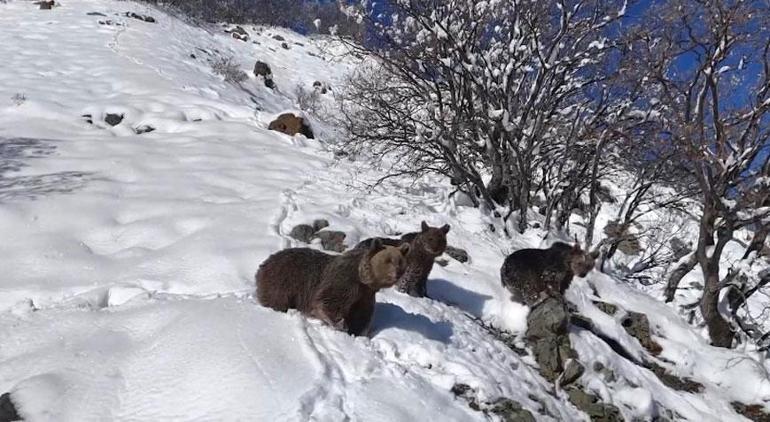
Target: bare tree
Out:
[484,93]
[702,60]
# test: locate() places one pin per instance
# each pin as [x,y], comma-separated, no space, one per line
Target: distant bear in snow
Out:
[530,273]
[337,289]
[426,245]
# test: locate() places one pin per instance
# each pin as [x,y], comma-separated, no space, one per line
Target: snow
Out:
[128,260]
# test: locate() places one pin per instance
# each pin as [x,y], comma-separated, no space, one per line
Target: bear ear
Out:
[424,226]
[445,228]
[404,248]
[376,244]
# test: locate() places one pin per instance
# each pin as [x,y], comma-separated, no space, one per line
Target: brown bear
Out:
[426,245]
[531,273]
[338,289]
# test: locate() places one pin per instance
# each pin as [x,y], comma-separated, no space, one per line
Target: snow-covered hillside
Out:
[128,258]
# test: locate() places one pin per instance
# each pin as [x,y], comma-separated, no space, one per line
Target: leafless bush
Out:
[487,94]
[19,98]
[308,100]
[228,68]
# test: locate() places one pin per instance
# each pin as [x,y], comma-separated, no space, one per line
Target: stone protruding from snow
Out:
[320,224]
[8,410]
[113,119]
[303,233]
[638,326]
[459,255]
[332,240]
[511,411]
[239,33]
[291,125]
[144,18]
[592,406]
[547,334]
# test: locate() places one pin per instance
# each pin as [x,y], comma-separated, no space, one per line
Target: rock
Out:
[511,411]
[137,16]
[460,389]
[278,38]
[457,254]
[96,14]
[592,406]
[607,373]
[442,262]
[46,5]
[144,129]
[285,46]
[332,240]
[551,354]
[8,409]
[673,381]
[547,335]
[89,119]
[291,125]
[321,87]
[239,33]
[573,370]
[269,82]
[320,224]
[638,326]
[547,319]
[607,308]
[113,119]
[464,391]
[303,233]
[754,412]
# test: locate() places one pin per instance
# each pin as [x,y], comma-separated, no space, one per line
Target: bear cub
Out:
[531,273]
[426,245]
[337,289]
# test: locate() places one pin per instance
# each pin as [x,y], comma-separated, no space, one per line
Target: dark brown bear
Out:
[530,274]
[426,245]
[338,289]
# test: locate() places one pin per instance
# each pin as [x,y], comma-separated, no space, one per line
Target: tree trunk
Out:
[720,331]
[523,205]
[496,187]
[678,274]
[594,203]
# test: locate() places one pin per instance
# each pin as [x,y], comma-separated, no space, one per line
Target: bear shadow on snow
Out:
[389,315]
[447,292]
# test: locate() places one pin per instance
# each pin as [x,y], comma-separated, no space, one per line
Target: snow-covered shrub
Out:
[19,98]
[228,68]
[488,94]
[308,100]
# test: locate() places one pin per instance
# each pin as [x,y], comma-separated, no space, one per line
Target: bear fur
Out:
[291,125]
[530,274]
[425,245]
[337,289]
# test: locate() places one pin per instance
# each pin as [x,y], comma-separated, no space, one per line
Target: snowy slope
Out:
[128,259]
